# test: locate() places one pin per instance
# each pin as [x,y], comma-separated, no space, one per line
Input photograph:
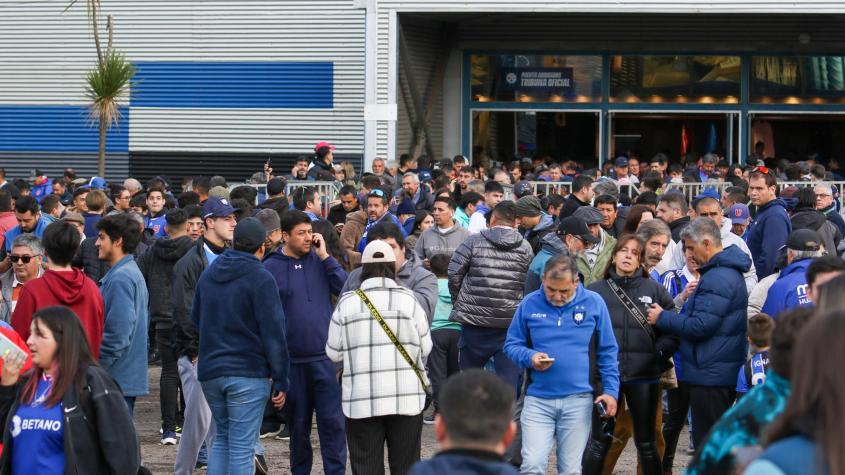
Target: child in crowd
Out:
[753,372]
[443,359]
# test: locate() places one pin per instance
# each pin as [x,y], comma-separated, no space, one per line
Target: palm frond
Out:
[106,86]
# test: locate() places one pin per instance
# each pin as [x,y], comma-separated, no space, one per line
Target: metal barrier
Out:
[328,191]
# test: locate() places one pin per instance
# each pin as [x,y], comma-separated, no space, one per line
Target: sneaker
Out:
[265,433]
[201,466]
[168,438]
[284,434]
[261,465]
[429,419]
[178,431]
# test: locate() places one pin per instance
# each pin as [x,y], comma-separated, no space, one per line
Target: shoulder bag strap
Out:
[393,339]
[632,308]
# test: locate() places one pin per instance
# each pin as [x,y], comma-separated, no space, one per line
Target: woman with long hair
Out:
[807,437]
[644,352]
[66,415]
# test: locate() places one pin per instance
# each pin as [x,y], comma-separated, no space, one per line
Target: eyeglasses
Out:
[25,259]
[763,170]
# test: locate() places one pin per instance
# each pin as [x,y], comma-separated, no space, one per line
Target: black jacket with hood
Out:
[810,218]
[99,435]
[640,356]
[321,171]
[156,263]
[186,274]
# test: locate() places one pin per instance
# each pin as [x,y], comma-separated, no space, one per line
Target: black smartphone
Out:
[316,243]
[601,409]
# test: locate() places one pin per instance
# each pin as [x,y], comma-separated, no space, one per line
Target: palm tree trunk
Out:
[101,161]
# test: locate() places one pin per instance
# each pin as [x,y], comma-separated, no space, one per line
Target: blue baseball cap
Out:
[739,214]
[425,176]
[709,192]
[96,183]
[216,207]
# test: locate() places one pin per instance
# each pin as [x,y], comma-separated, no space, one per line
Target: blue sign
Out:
[538,79]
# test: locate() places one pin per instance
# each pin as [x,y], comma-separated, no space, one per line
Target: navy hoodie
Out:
[305,287]
[767,234]
[464,462]
[240,321]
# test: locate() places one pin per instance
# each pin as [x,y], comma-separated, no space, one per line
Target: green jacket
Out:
[596,273]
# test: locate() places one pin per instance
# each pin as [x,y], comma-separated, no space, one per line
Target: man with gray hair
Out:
[712,325]
[132,185]
[790,290]
[422,197]
[562,334]
[657,238]
[26,257]
[706,167]
[825,204]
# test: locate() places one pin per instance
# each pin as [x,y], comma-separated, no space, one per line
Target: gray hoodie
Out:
[435,241]
[413,276]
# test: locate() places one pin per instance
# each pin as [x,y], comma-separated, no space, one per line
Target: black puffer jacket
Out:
[487,277]
[640,357]
[156,263]
[99,436]
[321,171]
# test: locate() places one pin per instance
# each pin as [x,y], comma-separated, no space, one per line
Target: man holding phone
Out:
[307,278]
[552,334]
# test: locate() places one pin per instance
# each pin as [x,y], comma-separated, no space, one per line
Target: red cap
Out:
[323,144]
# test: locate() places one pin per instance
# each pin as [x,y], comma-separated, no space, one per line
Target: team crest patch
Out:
[578,317]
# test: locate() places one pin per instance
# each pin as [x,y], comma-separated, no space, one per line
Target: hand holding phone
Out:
[541,361]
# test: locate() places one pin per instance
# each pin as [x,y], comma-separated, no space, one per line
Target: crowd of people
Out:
[519,308]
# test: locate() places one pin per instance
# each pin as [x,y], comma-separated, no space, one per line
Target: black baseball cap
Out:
[804,240]
[577,227]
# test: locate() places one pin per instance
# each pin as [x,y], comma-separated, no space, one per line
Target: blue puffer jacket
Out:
[712,327]
[790,290]
[767,234]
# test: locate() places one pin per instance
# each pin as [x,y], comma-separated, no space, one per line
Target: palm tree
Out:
[107,83]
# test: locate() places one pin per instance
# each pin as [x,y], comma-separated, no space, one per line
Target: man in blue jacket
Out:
[552,334]
[242,347]
[712,325]
[771,227]
[307,277]
[123,351]
[791,289]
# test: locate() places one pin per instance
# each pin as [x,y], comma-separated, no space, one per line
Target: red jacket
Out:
[69,288]
[7,222]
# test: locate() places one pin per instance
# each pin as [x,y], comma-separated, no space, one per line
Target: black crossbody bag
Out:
[632,308]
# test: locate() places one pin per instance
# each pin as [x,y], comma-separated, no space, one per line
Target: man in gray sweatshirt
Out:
[445,236]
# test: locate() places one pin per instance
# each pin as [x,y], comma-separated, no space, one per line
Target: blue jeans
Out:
[237,405]
[565,421]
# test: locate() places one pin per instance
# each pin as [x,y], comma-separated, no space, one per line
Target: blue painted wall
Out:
[57,128]
[174,84]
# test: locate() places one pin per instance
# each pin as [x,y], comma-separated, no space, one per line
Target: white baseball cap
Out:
[378,251]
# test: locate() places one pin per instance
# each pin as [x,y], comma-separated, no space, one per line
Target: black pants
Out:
[443,359]
[169,381]
[708,403]
[673,423]
[366,438]
[641,400]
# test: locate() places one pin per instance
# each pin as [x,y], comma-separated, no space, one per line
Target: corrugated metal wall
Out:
[423,39]
[46,52]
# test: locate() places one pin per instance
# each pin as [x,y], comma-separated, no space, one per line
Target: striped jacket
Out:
[377,381]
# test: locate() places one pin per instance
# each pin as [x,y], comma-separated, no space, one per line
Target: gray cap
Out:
[250,234]
[589,214]
[270,219]
[528,206]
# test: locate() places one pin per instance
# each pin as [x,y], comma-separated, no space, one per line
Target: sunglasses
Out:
[24,259]
[377,192]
